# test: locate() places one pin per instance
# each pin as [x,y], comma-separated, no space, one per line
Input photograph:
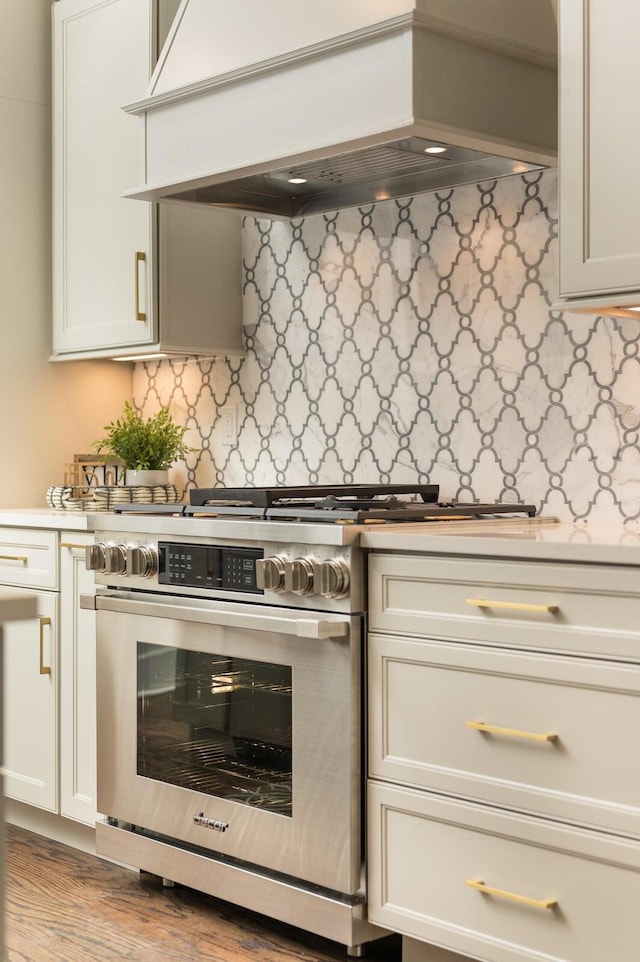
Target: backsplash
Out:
[414,340]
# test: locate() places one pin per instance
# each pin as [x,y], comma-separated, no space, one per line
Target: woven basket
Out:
[66,497]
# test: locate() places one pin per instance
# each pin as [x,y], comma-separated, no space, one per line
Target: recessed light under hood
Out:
[354,179]
[271,113]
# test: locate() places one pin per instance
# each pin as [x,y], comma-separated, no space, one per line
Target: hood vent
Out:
[276,115]
[354,179]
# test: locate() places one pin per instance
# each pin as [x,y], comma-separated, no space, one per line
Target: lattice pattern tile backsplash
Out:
[414,340]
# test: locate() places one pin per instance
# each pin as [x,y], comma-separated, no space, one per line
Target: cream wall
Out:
[48,411]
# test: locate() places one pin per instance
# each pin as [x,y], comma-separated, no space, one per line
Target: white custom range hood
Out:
[284,109]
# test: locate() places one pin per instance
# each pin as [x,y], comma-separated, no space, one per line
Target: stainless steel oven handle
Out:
[302,627]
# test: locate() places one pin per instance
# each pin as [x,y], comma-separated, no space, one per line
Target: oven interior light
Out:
[436,149]
[297,180]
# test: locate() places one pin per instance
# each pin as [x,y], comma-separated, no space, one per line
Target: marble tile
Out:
[415,340]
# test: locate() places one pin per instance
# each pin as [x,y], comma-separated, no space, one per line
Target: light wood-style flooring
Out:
[65,906]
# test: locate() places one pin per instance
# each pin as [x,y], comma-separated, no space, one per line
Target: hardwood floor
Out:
[65,906]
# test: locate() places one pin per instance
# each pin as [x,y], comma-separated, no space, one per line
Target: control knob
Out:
[332,578]
[115,559]
[298,576]
[95,556]
[270,573]
[142,560]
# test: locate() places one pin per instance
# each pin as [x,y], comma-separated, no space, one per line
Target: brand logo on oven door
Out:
[213,823]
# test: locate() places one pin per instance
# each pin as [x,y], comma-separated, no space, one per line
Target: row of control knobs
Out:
[303,576]
[122,559]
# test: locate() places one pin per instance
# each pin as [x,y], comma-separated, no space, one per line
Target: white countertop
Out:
[542,538]
[46,518]
[537,538]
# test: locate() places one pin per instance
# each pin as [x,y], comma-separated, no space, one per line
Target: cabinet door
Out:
[30,710]
[103,269]
[77,683]
[599,144]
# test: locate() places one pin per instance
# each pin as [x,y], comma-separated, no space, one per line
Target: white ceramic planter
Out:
[146,477]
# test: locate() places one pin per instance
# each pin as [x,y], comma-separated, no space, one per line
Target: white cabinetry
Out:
[504,701]
[28,559]
[128,278]
[31,706]
[599,140]
[49,675]
[77,682]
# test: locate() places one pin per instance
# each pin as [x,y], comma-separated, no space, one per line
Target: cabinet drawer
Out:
[575,608]
[570,728]
[28,558]
[424,850]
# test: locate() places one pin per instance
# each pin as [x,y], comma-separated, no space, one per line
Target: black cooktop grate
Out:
[341,504]
[267,497]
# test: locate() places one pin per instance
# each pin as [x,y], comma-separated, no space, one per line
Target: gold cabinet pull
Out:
[14,557]
[44,669]
[72,546]
[512,732]
[512,605]
[479,886]
[139,257]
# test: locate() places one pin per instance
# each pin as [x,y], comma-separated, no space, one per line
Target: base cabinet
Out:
[30,709]
[49,676]
[503,820]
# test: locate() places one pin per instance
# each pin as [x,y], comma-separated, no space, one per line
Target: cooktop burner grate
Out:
[267,497]
[339,504]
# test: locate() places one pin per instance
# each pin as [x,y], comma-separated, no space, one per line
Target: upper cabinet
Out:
[599,201]
[128,278]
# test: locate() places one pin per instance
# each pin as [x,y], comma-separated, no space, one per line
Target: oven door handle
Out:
[318,628]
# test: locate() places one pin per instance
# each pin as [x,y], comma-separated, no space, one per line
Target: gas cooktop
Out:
[341,504]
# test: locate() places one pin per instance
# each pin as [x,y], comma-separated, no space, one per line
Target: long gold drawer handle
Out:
[71,545]
[44,669]
[140,256]
[512,732]
[14,557]
[479,886]
[512,605]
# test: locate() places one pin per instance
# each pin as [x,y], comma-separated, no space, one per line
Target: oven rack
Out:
[205,766]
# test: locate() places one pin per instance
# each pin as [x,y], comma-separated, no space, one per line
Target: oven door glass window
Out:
[216,724]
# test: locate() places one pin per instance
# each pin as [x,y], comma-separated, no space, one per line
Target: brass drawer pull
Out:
[479,886]
[72,546]
[511,605]
[44,669]
[14,557]
[512,732]
[139,257]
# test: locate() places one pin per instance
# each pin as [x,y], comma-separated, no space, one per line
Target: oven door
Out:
[234,729]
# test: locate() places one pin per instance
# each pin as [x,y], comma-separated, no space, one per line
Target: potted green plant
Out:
[147,449]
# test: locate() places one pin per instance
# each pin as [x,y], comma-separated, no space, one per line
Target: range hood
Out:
[284,109]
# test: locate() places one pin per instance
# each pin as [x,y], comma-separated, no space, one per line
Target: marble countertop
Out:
[45,518]
[542,538]
[537,538]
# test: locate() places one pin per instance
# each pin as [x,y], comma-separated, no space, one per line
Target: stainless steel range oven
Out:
[230,702]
